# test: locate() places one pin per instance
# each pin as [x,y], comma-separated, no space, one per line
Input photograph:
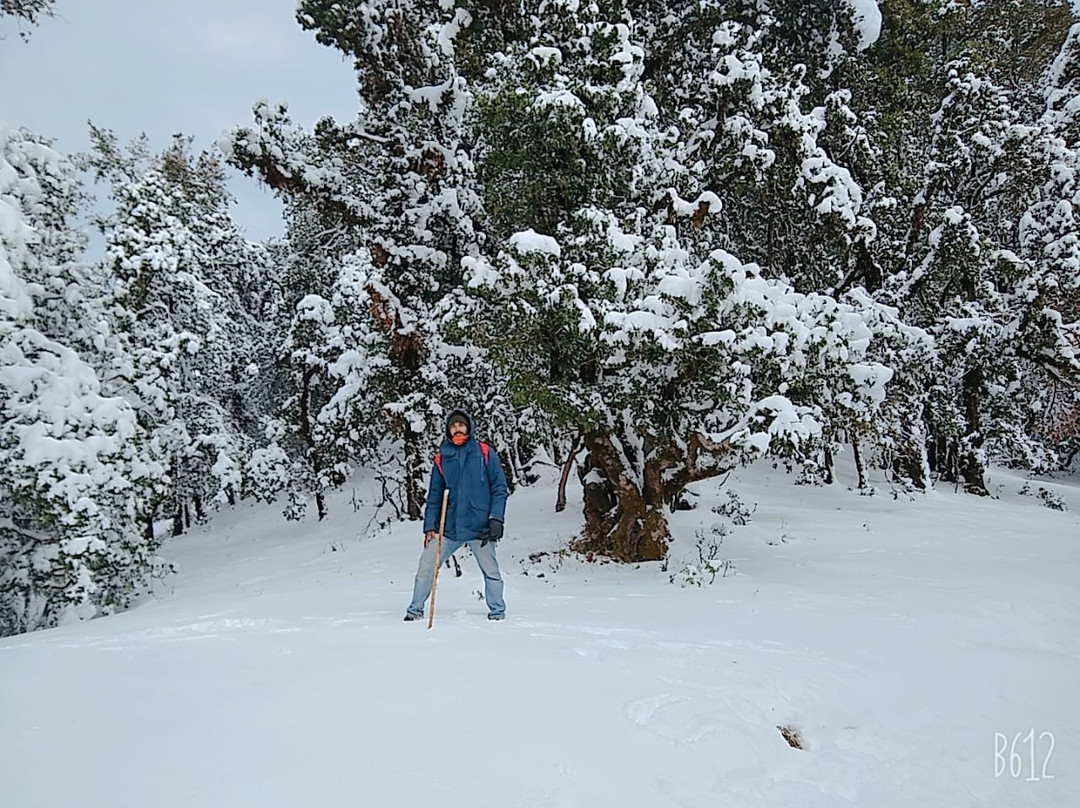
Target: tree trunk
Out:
[510,461]
[915,460]
[629,479]
[859,467]
[416,467]
[178,519]
[829,476]
[971,466]
[560,499]
[623,519]
[314,457]
[944,459]
[931,453]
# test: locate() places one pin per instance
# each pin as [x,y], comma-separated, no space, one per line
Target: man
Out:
[474,512]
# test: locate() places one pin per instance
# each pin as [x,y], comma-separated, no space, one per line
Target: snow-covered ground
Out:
[906,642]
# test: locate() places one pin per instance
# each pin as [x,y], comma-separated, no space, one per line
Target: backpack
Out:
[485,450]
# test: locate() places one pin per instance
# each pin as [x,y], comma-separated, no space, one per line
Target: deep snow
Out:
[902,638]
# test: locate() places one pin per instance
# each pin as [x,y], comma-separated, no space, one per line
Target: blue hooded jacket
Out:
[477,488]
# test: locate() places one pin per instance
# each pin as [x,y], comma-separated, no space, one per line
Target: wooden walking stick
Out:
[438,558]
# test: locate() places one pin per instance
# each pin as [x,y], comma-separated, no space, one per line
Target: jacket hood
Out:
[451,414]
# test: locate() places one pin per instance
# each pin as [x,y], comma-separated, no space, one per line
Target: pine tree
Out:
[750,90]
[78,478]
[954,87]
[186,305]
[1062,90]
[968,271]
[400,179]
[1049,237]
[288,458]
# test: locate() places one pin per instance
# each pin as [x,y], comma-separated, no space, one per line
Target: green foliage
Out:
[537,163]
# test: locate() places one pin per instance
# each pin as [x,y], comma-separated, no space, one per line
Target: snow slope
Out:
[902,639]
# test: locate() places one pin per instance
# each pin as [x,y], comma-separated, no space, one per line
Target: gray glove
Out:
[493,532]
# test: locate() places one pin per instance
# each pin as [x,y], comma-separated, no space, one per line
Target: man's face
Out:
[458,428]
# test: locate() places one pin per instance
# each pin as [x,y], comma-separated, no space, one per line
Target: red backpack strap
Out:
[438,463]
[484,450]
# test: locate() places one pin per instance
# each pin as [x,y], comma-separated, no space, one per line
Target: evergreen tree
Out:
[955,88]
[78,475]
[980,278]
[747,89]
[1062,90]
[186,303]
[1049,235]
[290,458]
[400,178]
[611,307]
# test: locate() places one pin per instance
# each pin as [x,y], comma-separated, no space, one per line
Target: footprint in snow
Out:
[684,720]
[642,711]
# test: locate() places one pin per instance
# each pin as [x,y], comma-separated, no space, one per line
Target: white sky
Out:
[195,67]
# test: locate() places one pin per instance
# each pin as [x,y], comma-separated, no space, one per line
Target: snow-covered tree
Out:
[675,367]
[1062,90]
[401,178]
[954,89]
[78,474]
[992,245]
[187,299]
[743,91]
[613,305]
[287,459]
[1049,237]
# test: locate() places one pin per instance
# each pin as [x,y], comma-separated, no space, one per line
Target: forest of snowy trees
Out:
[662,238]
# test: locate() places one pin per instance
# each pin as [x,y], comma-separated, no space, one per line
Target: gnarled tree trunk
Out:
[624,519]
[626,491]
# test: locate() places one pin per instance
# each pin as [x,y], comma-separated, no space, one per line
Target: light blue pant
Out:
[489,566]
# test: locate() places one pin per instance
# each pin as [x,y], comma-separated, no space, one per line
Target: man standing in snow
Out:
[474,512]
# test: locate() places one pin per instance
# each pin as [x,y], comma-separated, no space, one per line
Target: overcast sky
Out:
[195,66]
